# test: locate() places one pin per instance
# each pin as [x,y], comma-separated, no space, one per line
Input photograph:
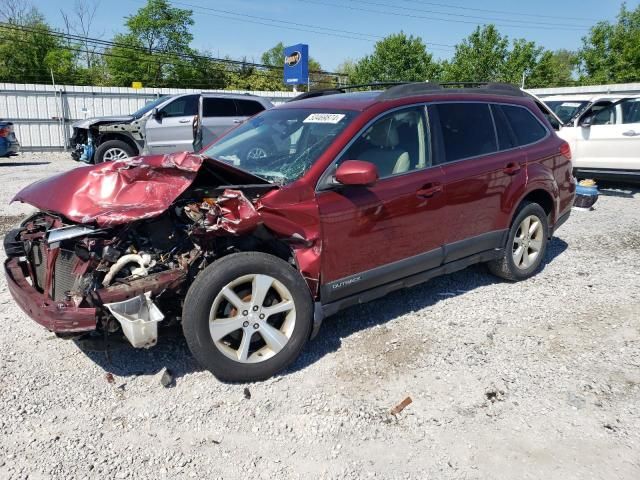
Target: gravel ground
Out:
[539,379]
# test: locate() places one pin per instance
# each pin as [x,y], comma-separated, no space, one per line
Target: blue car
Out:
[9,144]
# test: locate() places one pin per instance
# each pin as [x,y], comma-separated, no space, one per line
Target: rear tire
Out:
[113,150]
[247,316]
[526,244]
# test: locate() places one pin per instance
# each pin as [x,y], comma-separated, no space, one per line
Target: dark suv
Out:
[354,195]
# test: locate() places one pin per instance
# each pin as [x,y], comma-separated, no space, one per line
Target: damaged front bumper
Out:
[63,316]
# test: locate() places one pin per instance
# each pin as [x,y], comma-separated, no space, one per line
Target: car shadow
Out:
[22,164]
[401,302]
[116,356]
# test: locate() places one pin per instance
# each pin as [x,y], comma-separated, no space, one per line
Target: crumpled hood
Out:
[115,193]
[87,122]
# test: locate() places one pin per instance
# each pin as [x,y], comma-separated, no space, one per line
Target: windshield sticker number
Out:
[332,118]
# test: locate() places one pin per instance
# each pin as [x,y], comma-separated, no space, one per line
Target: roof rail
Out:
[412,89]
[338,90]
[397,90]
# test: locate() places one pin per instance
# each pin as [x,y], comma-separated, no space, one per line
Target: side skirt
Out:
[378,292]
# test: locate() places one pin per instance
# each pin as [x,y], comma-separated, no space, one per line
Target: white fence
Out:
[42,115]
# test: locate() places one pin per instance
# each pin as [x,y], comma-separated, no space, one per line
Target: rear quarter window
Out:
[526,127]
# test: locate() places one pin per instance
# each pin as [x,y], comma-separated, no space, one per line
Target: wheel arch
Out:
[541,195]
[105,137]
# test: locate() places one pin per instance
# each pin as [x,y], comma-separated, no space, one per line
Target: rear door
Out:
[218,114]
[481,164]
[172,130]
[392,229]
[612,142]
[248,108]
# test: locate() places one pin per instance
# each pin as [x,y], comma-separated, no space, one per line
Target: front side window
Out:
[281,144]
[524,124]
[396,143]
[467,130]
[603,113]
[181,107]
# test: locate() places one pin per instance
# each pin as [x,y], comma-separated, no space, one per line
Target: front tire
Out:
[526,245]
[247,316]
[112,150]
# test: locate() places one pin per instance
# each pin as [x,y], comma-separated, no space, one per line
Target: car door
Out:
[171,130]
[480,163]
[395,228]
[612,140]
[217,115]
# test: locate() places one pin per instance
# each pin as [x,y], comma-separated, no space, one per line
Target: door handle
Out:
[512,168]
[237,121]
[631,133]
[429,190]
[189,120]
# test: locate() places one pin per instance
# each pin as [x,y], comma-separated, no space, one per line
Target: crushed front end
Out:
[67,277]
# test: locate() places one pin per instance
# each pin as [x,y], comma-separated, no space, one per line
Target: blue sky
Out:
[339,29]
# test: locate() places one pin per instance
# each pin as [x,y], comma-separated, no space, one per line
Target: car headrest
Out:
[384,134]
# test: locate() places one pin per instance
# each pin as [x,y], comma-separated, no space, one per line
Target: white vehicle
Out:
[603,132]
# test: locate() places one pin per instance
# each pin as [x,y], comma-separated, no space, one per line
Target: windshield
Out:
[148,107]
[566,110]
[280,145]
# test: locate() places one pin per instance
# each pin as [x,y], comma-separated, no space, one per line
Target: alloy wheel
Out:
[115,154]
[252,318]
[527,242]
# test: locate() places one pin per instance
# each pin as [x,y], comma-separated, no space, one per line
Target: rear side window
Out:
[249,108]
[467,130]
[524,124]
[219,107]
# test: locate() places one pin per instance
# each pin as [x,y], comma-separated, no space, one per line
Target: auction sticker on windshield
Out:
[324,118]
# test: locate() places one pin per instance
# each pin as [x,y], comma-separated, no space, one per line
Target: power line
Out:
[110,44]
[491,19]
[501,12]
[333,32]
[408,15]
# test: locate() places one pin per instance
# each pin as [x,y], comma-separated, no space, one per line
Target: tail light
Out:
[565,150]
[5,131]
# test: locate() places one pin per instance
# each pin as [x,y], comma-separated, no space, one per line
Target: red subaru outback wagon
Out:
[321,203]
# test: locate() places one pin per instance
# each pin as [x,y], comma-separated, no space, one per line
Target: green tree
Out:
[29,53]
[397,57]
[611,51]
[479,58]
[153,48]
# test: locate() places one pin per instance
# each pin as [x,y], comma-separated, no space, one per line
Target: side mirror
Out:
[586,121]
[357,172]
[157,114]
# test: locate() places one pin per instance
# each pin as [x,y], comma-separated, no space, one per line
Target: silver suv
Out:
[164,125]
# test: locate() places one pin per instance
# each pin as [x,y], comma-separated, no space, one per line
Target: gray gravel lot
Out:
[539,379]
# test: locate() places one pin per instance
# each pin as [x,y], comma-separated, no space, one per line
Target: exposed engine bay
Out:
[133,266]
[89,134]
